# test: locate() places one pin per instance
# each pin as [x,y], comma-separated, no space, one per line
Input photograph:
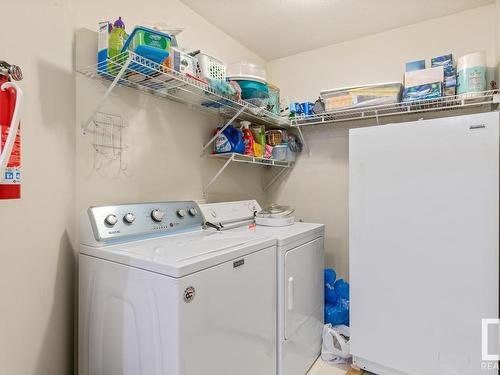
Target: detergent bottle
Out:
[117,38]
[230,140]
[247,137]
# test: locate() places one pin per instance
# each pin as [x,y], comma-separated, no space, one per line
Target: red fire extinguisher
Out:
[11,99]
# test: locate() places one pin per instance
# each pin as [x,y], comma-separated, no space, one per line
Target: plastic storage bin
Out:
[253,90]
[291,154]
[279,152]
[246,71]
[151,44]
[362,96]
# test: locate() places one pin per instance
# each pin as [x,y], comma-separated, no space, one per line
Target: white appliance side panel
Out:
[424,243]
[301,307]
[229,327]
[127,320]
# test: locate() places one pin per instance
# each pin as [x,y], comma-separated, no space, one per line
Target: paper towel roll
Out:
[471,71]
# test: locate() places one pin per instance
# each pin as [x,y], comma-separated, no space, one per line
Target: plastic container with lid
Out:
[279,152]
[361,96]
[151,44]
[246,71]
[253,90]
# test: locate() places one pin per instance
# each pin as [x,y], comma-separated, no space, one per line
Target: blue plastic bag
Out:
[338,313]
[330,294]
[341,287]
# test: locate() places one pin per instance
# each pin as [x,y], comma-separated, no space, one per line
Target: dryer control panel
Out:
[142,219]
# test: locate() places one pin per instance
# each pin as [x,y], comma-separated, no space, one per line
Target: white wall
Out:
[38,268]
[38,264]
[317,186]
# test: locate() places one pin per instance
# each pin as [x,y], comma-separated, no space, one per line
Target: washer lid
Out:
[182,254]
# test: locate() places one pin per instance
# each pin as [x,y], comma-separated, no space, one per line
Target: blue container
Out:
[253,90]
[151,44]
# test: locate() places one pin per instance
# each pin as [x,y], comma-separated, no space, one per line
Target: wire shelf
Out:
[145,75]
[252,160]
[487,99]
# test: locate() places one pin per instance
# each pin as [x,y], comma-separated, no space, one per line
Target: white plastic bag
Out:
[335,348]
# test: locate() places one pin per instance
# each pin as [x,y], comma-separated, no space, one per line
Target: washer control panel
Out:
[114,222]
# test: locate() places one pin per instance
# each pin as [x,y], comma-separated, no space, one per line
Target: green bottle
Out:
[117,39]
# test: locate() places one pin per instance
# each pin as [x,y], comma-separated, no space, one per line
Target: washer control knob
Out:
[181,212]
[193,211]
[157,215]
[129,218]
[111,220]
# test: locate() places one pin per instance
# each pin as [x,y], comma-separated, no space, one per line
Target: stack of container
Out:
[252,80]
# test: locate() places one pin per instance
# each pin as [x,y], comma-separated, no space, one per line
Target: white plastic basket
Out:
[210,67]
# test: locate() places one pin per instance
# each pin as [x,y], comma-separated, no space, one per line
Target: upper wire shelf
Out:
[131,70]
[487,99]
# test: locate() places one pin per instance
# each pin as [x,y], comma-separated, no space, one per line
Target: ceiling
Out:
[278,28]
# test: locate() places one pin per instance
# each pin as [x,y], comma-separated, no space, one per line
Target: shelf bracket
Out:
[214,178]
[275,178]
[223,128]
[106,94]
[303,140]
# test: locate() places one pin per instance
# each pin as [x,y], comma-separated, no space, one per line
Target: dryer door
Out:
[303,304]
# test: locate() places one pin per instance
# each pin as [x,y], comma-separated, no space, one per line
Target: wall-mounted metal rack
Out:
[239,158]
[488,100]
[134,71]
[131,70]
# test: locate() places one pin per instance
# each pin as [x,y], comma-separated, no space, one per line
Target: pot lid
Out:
[276,210]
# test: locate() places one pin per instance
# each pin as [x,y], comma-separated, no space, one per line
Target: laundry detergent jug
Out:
[230,140]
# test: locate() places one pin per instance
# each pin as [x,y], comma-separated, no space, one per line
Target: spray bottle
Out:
[247,137]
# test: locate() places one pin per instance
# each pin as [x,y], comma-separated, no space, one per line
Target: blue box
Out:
[423,92]
[415,65]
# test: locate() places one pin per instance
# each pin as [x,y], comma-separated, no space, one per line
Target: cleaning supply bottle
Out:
[230,140]
[247,137]
[117,38]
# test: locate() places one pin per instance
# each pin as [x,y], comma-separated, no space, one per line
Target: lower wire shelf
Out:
[240,158]
[252,160]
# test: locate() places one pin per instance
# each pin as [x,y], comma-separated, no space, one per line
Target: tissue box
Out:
[446,61]
[424,76]
[415,65]
[450,73]
[423,92]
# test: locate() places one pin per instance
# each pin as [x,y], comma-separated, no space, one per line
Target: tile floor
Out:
[323,368]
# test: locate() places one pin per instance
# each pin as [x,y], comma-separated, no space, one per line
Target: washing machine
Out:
[159,295]
[300,264]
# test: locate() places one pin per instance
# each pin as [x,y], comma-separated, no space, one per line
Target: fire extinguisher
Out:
[11,100]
